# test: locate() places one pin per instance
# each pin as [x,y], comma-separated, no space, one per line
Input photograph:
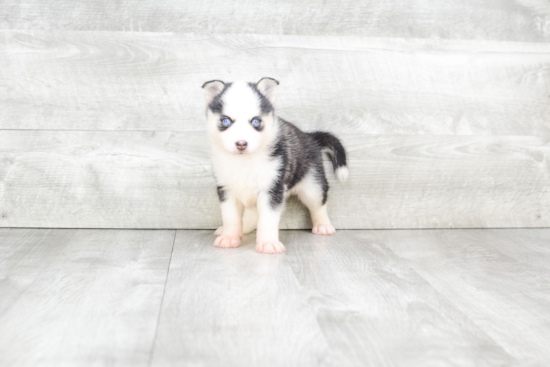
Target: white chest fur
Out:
[245,176]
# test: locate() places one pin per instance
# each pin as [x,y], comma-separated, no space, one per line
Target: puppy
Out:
[259,160]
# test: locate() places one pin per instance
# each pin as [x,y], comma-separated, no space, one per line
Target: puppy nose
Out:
[241,144]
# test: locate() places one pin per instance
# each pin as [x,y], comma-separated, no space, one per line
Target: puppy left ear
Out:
[212,89]
[268,87]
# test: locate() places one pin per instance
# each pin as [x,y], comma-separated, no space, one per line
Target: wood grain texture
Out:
[164,180]
[515,20]
[151,81]
[374,310]
[80,297]
[234,308]
[502,292]
[359,298]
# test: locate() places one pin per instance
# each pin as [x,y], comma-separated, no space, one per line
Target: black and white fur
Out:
[277,160]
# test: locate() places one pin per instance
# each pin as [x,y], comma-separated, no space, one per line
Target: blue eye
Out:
[226,122]
[255,122]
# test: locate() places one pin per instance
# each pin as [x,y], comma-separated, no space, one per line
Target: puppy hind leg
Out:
[312,194]
[250,219]
[321,222]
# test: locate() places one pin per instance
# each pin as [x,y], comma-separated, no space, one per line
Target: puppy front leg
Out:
[232,214]
[267,234]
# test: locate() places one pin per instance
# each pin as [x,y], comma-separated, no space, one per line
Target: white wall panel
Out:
[164,180]
[131,81]
[513,20]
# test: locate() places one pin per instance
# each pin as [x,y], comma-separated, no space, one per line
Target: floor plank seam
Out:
[152,352]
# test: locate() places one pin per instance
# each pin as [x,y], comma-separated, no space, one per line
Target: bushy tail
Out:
[335,149]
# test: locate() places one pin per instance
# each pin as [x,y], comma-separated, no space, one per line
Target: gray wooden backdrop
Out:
[443,106]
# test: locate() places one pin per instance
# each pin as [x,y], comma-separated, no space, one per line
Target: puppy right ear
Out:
[212,89]
[268,87]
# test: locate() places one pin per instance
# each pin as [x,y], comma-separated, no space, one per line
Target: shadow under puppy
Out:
[259,160]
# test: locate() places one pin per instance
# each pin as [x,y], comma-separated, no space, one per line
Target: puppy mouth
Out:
[239,152]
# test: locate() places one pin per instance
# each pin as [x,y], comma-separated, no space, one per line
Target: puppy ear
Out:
[268,87]
[212,89]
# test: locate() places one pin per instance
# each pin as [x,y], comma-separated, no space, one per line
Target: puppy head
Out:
[240,115]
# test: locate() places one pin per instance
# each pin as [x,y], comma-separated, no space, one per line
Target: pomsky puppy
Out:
[259,160]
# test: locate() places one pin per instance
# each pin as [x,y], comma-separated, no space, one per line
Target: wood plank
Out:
[80,297]
[528,247]
[384,298]
[151,81]
[506,296]
[24,254]
[492,19]
[374,310]
[234,308]
[164,180]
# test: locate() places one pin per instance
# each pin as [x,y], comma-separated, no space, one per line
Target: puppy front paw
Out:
[227,241]
[270,247]
[323,229]
[219,231]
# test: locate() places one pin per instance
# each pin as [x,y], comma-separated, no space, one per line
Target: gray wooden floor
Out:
[79,297]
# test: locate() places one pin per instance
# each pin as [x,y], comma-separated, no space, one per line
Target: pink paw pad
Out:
[270,247]
[227,242]
[323,229]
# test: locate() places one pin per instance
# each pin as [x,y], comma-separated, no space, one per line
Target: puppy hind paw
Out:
[248,230]
[227,242]
[323,229]
[270,247]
